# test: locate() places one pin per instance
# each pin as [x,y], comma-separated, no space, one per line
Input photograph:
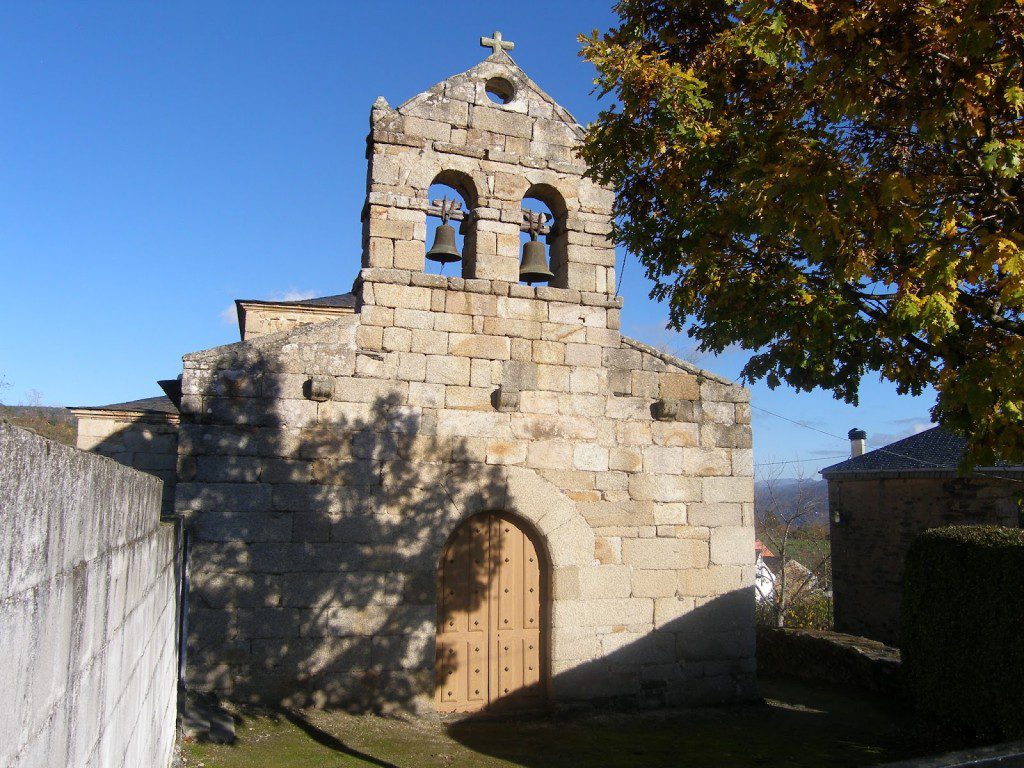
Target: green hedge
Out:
[962,629]
[812,610]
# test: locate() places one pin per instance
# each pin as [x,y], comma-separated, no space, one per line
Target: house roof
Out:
[935,450]
[761,549]
[794,568]
[161,404]
[339,300]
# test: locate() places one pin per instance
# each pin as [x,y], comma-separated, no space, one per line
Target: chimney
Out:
[858,437]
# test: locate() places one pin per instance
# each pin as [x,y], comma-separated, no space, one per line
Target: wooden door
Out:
[489,636]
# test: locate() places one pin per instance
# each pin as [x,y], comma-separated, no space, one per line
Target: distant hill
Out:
[788,493]
[53,422]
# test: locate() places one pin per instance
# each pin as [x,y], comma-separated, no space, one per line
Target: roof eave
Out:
[134,414]
[996,473]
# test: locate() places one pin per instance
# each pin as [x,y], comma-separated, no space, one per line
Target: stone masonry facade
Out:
[875,518]
[321,469]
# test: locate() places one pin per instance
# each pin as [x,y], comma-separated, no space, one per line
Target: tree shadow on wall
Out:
[684,695]
[317,528]
[702,657]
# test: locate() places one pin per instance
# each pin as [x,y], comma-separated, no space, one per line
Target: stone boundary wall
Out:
[88,587]
[830,657]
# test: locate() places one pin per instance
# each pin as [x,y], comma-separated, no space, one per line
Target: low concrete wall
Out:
[88,659]
[146,442]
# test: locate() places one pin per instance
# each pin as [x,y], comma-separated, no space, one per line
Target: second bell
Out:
[534,266]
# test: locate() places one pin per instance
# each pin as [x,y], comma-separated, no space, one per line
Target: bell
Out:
[534,267]
[444,249]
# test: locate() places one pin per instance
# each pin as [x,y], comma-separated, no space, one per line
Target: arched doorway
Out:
[490,618]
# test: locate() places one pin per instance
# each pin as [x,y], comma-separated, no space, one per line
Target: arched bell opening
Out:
[492,617]
[545,200]
[451,200]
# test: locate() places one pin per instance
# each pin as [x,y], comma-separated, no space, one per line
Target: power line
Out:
[799,461]
[886,451]
[804,425]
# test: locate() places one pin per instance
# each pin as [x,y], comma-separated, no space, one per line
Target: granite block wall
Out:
[323,481]
[878,518]
[148,443]
[323,468]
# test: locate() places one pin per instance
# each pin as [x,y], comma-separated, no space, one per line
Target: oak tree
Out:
[835,185]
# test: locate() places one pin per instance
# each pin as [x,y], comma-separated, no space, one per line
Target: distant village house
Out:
[880,500]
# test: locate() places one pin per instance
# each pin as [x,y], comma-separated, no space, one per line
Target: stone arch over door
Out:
[493,586]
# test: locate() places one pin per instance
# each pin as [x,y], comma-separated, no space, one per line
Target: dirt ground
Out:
[799,725]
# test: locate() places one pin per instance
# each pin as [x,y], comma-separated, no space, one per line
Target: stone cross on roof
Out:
[496,42]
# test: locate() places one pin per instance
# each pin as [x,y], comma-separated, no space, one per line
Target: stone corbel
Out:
[318,389]
[505,399]
[672,409]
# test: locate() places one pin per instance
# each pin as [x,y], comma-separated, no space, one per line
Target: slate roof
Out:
[161,404]
[340,300]
[934,449]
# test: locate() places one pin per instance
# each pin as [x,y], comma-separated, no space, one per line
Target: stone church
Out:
[450,492]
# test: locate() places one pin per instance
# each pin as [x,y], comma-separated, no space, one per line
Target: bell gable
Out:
[500,141]
[497,97]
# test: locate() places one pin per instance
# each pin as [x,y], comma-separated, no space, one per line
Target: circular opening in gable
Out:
[499,90]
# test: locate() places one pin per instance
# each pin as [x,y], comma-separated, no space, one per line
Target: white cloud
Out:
[229,315]
[294,294]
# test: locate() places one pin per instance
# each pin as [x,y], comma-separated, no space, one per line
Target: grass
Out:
[808,550]
[800,725]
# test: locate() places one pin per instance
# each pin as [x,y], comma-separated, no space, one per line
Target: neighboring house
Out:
[764,576]
[768,577]
[462,490]
[879,501]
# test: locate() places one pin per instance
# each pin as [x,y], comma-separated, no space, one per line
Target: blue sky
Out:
[158,161]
